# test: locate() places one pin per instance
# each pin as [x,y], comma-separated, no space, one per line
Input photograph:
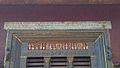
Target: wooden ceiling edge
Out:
[57,40]
[22,39]
[18,39]
[57,31]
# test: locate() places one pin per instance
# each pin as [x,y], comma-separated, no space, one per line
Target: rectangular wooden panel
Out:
[58,62]
[35,62]
[82,62]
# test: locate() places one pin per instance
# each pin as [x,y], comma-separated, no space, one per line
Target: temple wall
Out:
[63,13]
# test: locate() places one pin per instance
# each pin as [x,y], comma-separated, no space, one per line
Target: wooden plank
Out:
[57,25]
[59,39]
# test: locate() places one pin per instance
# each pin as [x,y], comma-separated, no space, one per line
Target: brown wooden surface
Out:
[59,1]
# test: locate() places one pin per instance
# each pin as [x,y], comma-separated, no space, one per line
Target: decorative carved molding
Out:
[70,59]
[46,59]
[50,53]
[57,45]
[57,25]
[109,53]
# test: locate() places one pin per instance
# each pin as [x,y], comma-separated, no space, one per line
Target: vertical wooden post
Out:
[70,62]
[23,61]
[93,62]
[47,62]
[23,58]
